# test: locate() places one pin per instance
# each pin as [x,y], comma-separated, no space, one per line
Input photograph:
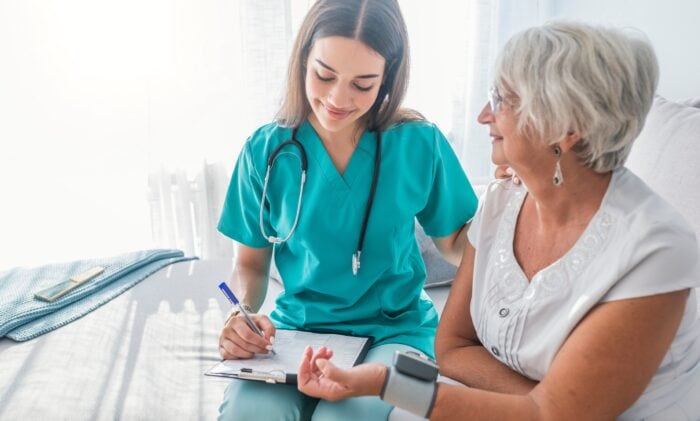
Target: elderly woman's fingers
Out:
[505,172]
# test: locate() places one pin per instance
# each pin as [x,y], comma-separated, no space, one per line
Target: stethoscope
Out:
[304,166]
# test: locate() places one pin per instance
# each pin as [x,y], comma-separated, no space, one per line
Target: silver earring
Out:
[558,178]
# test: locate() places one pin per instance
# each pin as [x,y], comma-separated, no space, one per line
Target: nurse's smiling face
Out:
[343,76]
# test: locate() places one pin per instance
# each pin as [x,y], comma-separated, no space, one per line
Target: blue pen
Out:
[232,298]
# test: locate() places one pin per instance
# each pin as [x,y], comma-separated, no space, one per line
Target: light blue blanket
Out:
[23,317]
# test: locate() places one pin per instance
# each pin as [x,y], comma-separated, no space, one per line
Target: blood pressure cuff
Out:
[410,383]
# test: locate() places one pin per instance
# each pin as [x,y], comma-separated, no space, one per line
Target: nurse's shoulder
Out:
[417,138]
[264,140]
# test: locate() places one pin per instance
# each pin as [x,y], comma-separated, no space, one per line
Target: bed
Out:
[140,356]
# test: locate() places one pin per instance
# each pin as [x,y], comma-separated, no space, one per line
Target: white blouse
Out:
[635,245]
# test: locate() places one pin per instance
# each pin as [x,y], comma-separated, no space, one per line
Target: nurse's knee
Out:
[366,408]
[246,400]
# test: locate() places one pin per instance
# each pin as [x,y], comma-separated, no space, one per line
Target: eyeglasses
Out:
[495,100]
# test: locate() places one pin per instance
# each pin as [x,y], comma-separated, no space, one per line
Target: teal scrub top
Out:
[419,177]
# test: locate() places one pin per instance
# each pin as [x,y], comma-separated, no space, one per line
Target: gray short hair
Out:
[597,81]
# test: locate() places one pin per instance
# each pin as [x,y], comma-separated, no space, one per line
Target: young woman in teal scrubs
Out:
[347,77]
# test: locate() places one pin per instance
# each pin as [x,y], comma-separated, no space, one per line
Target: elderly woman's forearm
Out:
[460,403]
[475,367]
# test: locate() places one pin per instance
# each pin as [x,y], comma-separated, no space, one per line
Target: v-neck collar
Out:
[599,217]
[361,161]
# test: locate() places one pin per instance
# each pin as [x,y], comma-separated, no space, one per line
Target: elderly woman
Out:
[575,297]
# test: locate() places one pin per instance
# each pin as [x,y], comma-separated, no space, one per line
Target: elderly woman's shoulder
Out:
[503,187]
[498,194]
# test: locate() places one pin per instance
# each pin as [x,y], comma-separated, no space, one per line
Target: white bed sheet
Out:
[139,357]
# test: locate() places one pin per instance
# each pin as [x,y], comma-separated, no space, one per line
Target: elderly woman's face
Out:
[506,142]
[510,146]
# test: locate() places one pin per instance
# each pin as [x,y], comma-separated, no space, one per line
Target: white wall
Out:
[673,26]
[110,82]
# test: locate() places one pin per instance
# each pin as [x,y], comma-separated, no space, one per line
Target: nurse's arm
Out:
[459,353]
[250,275]
[249,280]
[452,246]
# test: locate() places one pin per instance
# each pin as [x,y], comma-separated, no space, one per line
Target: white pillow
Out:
[666,155]
[691,102]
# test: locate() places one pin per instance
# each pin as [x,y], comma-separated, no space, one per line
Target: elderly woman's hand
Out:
[505,172]
[319,378]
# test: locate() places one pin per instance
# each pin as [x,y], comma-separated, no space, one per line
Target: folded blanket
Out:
[23,317]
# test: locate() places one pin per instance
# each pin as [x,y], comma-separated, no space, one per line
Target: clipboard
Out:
[281,368]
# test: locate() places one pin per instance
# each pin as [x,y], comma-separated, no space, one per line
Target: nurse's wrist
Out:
[235,312]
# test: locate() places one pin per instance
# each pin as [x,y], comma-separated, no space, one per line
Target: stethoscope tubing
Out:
[304,166]
[270,162]
[370,202]
[271,238]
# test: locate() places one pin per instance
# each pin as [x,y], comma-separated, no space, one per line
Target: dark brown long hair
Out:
[376,23]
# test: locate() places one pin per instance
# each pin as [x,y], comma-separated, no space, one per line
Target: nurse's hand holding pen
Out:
[244,334]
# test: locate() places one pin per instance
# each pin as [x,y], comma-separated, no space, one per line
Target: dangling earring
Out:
[558,178]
